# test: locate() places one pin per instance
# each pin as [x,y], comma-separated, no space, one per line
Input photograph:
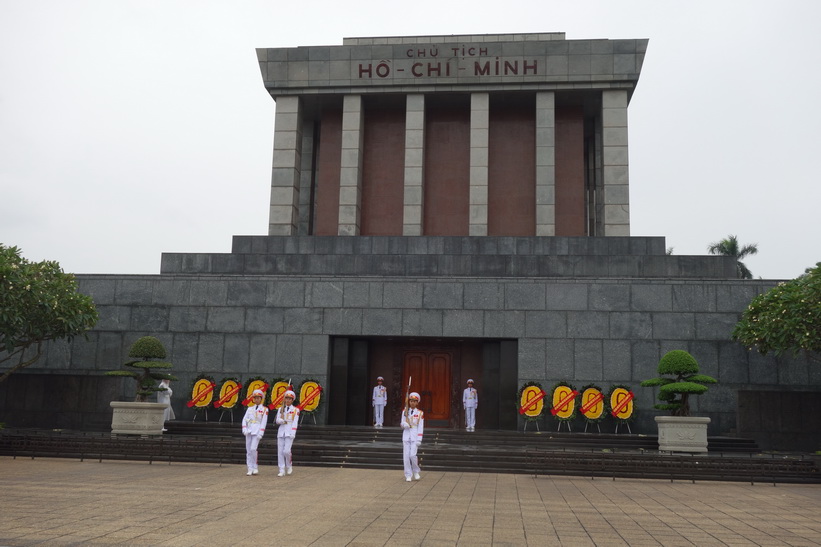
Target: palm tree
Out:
[730,247]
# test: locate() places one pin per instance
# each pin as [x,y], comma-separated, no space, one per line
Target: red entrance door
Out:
[431,378]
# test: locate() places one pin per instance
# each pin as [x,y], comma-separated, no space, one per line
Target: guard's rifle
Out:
[282,407]
[407,401]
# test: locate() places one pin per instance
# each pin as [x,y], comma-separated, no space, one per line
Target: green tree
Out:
[785,318]
[38,302]
[730,247]
[145,352]
[679,379]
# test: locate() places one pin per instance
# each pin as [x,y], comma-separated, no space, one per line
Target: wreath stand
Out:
[197,410]
[627,424]
[230,412]
[597,427]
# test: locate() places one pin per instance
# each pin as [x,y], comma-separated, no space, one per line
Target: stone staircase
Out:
[539,453]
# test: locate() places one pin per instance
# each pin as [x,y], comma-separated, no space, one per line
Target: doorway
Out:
[430,375]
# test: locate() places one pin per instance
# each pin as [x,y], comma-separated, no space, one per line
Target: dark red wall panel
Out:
[447,171]
[329,158]
[570,200]
[383,172]
[512,172]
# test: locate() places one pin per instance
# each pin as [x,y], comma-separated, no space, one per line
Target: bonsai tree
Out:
[146,351]
[682,380]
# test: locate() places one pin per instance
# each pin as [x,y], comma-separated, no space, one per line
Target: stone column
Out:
[414,165]
[350,175]
[615,164]
[545,164]
[479,135]
[283,215]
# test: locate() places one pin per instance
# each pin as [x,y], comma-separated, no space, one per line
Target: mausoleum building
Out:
[442,208]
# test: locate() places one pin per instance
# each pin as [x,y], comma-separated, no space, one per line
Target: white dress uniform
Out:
[288,420]
[413,426]
[253,427]
[164,397]
[470,401]
[380,399]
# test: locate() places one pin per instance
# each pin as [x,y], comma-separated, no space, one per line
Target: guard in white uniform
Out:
[253,427]
[470,401]
[380,399]
[288,420]
[413,425]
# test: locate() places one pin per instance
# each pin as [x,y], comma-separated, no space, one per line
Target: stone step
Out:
[593,455]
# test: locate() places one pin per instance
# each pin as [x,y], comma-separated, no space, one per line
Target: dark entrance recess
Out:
[439,368]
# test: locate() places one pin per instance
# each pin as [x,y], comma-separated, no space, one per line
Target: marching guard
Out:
[413,425]
[288,420]
[253,427]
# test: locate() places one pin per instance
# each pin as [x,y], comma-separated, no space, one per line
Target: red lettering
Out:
[383,70]
[479,70]
[414,68]
[363,70]
[511,68]
[532,67]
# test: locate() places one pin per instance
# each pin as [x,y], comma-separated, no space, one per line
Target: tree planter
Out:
[682,433]
[132,418]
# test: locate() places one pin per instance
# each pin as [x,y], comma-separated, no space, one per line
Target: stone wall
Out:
[584,330]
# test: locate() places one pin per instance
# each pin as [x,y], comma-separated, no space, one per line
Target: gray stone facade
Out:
[583,329]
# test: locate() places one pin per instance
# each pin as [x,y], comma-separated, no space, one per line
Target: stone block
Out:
[656,297]
[559,365]
[532,359]
[673,326]
[303,320]
[283,293]
[262,351]
[546,324]
[246,293]
[149,318]
[442,295]
[609,296]
[566,296]
[208,293]
[210,352]
[288,356]
[325,294]
[341,321]
[463,323]
[587,358]
[187,319]
[587,324]
[235,354]
[224,319]
[504,324]
[616,362]
[382,322]
[524,296]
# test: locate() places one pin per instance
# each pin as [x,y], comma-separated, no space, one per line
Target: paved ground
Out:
[67,502]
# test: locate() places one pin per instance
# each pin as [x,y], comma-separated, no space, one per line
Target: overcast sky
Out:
[133,128]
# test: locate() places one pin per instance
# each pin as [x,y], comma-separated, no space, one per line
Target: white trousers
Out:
[251,453]
[378,414]
[284,452]
[409,457]
[470,417]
